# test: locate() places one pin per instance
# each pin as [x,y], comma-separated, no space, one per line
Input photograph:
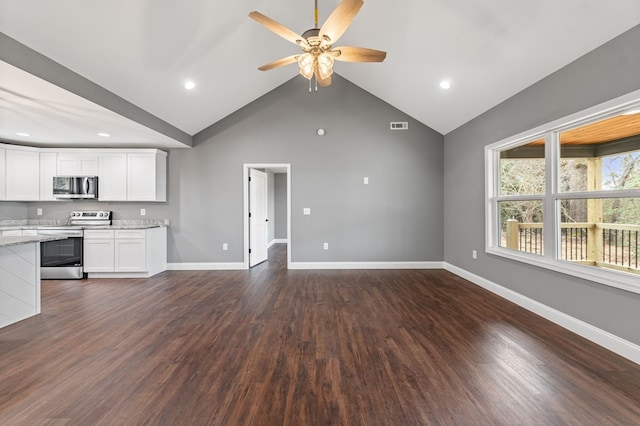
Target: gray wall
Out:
[608,72]
[397,217]
[280,214]
[13,210]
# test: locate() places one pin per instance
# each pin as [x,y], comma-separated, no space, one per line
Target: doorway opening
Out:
[259,227]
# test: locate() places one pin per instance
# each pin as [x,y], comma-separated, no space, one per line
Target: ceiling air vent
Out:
[399,125]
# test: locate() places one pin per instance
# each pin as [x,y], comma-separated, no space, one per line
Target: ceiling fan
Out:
[317,43]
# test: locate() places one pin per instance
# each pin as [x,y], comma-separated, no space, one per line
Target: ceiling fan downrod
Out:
[315,21]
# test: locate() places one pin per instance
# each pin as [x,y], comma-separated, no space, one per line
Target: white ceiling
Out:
[144,50]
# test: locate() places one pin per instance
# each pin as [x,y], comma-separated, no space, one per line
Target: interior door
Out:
[257,217]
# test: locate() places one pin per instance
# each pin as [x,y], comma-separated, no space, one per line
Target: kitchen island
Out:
[20,277]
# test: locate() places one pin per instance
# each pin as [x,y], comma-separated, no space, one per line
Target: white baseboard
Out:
[118,275]
[229,266]
[277,241]
[610,341]
[366,265]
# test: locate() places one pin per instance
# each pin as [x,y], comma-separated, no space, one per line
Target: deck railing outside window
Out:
[606,245]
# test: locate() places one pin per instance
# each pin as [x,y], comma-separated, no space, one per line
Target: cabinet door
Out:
[68,165]
[88,165]
[99,255]
[112,180]
[48,167]
[23,175]
[77,164]
[147,177]
[142,177]
[3,174]
[130,255]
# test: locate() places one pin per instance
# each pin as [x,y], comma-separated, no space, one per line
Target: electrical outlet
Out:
[306,211]
[366,180]
[225,246]
[39,212]
[325,246]
[474,254]
[143,212]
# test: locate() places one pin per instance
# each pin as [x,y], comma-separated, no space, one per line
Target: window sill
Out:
[609,277]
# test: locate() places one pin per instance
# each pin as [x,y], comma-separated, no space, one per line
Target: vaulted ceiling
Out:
[136,55]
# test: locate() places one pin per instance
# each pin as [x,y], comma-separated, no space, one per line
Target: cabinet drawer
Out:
[130,233]
[98,234]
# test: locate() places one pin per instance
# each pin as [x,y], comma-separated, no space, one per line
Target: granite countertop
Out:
[8,225]
[122,226]
[14,241]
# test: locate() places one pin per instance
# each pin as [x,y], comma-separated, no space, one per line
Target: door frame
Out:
[245,210]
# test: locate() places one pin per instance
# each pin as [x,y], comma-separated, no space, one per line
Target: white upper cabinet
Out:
[77,164]
[22,174]
[48,168]
[112,176]
[3,174]
[26,173]
[147,176]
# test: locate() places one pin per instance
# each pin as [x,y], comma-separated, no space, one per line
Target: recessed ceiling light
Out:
[23,134]
[189,84]
[445,84]
[104,135]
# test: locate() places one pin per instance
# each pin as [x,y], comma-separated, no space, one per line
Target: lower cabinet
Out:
[130,251]
[125,253]
[18,232]
[98,250]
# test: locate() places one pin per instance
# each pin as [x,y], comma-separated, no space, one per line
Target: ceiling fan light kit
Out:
[319,55]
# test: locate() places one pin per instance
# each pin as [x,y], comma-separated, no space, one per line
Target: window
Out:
[566,196]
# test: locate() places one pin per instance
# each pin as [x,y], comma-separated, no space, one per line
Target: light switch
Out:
[225,246]
[325,246]
[306,211]
[39,211]
[143,212]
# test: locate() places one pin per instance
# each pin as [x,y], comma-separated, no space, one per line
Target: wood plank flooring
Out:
[275,347]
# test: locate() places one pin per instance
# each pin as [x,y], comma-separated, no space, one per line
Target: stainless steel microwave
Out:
[85,187]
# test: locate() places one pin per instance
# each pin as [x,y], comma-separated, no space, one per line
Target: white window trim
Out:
[549,260]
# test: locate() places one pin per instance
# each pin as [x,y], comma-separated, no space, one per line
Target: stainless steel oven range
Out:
[62,259]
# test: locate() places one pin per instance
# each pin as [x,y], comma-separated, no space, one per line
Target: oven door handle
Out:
[69,234]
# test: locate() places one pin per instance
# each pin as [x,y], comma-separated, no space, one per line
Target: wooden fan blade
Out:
[278,28]
[324,83]
[357,54]
[340,19]
[279,63]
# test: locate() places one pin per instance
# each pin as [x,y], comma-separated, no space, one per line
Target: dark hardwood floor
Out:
[275,347]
